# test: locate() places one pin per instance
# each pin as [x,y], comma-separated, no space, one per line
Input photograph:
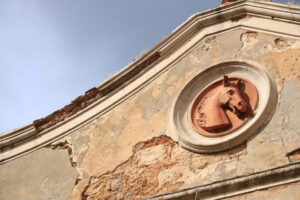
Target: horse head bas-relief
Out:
[230,95]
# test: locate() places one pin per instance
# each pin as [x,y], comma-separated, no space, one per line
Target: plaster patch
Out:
[230,39]
[256,46]
[261,156]
[43,174]
[285,122]
[285,63]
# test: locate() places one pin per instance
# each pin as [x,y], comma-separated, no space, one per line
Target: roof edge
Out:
[144,62]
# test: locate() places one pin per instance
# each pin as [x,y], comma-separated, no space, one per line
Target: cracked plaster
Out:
[100,147]
[145,115]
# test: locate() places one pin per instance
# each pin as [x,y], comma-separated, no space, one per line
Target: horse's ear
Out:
[226,81]
[240,85]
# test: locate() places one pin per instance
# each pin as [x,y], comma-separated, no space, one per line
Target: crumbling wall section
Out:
[129,152]
[158,165]
[151,109]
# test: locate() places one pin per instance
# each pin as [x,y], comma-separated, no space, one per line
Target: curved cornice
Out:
[277,18]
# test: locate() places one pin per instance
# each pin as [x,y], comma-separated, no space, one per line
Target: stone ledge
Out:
[238,185]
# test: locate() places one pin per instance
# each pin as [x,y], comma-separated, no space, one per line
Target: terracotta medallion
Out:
[223,106]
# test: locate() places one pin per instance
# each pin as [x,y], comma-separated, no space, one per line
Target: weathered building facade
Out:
[134,137]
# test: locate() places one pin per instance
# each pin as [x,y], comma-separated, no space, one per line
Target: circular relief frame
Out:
[181,123]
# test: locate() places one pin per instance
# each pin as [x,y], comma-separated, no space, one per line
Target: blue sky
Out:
[52,51]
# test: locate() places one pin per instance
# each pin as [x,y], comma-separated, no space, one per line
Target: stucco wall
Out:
[286,192]
[43,174]
[129,152]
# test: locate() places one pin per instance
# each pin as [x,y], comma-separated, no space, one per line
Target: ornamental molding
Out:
[261,180]
[205,115]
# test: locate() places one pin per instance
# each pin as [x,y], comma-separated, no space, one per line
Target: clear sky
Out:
[52,51]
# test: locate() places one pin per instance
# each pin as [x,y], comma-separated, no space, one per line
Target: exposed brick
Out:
[75,106]
[156,141]
[156,166]
[91,96]
[294,156]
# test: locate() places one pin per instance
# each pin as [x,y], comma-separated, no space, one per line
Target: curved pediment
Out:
[248,16]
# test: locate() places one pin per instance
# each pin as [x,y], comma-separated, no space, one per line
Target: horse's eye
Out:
[230,92]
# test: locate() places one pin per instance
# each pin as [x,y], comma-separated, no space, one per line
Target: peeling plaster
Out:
[156,166]
[145,116]
[109,158]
